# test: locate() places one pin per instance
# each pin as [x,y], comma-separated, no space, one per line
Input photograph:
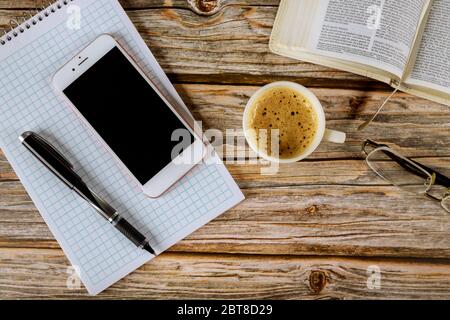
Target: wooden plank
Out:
[416,127]
[353,221]
[228,47]
[180,276]
[139,4]
[198,55]
[332,173]
[309,220]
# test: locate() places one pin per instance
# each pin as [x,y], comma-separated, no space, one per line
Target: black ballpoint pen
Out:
[63,169]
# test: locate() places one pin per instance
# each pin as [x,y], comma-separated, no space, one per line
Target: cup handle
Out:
[334,136]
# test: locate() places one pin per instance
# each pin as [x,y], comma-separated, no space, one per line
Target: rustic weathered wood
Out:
[228,47]
[141,4]
[332,172]
[318,220]
[330,205]
[175,276]
[415,127]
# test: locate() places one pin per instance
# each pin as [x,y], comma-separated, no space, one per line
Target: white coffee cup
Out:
[322,134]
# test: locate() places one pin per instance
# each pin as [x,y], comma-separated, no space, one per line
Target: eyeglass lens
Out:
[405,174]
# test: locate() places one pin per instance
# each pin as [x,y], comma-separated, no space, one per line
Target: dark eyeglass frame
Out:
[438,178]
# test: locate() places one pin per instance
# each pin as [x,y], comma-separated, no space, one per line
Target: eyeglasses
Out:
[406,173]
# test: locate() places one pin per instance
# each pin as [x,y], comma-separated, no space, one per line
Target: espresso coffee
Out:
[290,112]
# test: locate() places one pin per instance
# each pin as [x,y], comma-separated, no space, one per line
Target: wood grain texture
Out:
[228,47]
[312,230]
[331,204]
[318,220]
[139,4]
[415,127]
[176,276]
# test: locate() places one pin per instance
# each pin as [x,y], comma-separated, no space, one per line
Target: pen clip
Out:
[55,152]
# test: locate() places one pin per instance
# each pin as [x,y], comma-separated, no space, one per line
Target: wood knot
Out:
[355,103]
[205,7]
[317,281]
[312,210]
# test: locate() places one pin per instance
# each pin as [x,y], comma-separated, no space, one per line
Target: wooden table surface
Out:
[312,231]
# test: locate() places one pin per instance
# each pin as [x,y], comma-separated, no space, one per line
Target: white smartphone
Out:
[129,115]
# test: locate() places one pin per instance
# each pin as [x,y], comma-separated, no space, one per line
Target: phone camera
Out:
[73,69]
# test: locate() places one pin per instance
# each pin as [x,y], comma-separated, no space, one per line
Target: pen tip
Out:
[148,248]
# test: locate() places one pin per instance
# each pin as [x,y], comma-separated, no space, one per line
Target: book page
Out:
[377,33]
[432,65]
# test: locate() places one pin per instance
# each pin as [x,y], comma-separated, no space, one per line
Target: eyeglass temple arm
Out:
[407,166]
[440,178]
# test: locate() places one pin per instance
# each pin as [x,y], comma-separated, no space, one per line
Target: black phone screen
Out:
[127,113]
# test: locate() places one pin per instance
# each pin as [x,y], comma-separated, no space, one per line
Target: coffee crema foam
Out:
[291,113]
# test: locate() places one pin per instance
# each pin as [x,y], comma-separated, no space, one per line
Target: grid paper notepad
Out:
[28,102]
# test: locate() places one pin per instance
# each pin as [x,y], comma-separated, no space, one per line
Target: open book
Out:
[404,43]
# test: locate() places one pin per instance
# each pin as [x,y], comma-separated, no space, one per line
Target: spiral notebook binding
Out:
[30,19]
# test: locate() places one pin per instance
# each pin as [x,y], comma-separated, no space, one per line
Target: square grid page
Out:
[28,102]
